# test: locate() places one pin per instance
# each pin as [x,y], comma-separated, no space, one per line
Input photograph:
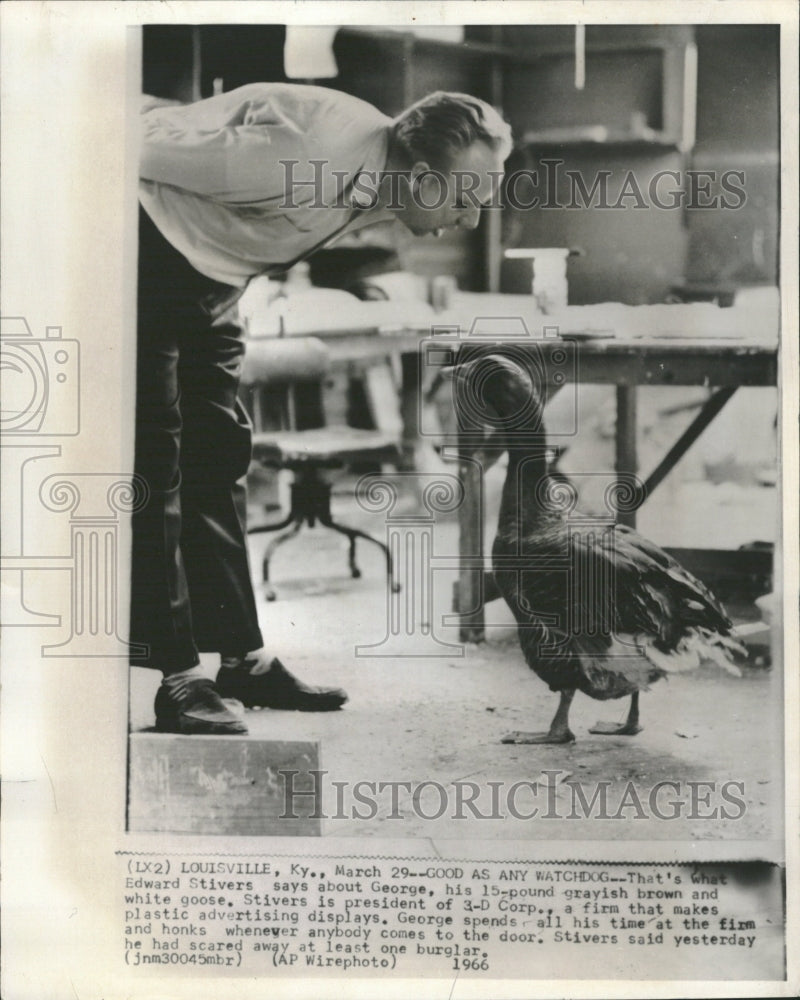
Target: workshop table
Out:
[721,364]
[717,363]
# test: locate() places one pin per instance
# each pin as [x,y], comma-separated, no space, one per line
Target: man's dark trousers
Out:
[190,581]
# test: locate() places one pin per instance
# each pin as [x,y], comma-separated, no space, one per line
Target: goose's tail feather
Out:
[699,645]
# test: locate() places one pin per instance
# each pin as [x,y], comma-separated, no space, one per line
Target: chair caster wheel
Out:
[269,594]
[355,574]
[396,588]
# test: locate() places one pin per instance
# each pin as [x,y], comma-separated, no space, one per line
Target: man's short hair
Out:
[443,124]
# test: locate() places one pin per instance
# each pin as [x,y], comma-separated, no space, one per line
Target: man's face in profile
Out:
[434,201]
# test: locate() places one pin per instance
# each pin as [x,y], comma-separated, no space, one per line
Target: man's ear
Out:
[420,172]
[419,168]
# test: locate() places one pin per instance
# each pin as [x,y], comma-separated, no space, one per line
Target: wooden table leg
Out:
[469,587]
[712,406]
[626,459]
[410,407]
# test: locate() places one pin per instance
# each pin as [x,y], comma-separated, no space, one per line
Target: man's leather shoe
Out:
[276,688]
[192,706]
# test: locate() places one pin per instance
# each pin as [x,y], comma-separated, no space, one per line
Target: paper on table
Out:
[756,318]
[328,310]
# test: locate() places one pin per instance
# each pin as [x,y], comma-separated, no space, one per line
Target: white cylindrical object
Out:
[580,56]
[550,279]
[443,286]
[549,265]
[308,52]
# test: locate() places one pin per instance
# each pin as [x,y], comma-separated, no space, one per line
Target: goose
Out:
[599,608]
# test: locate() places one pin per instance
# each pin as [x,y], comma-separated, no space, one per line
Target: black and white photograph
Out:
[399,442]
[509,307]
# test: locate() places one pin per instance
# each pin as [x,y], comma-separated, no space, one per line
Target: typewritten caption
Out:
[366,917]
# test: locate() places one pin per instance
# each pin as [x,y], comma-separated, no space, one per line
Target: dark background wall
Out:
[738,128]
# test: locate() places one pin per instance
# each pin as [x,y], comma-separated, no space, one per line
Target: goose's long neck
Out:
[513,393]
[521,509]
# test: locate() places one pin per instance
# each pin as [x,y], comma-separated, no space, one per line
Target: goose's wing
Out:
[630,589]
[648,578]
[562,597]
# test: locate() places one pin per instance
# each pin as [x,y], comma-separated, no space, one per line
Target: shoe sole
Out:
[198,728]
[316,706]
[301,708]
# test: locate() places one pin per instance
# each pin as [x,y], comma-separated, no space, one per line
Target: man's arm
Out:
[227,148]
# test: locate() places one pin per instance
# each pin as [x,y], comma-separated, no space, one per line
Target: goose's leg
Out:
[628,728]
[559,731]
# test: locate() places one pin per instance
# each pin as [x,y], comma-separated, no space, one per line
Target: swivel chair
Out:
[288,363]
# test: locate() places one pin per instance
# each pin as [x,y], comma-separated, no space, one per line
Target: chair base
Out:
[311,503]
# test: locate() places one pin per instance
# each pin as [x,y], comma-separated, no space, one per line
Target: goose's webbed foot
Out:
[614,729]
[559,731]
[630,727]
[552,736]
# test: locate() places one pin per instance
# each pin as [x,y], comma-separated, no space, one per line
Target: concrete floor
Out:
[426,718]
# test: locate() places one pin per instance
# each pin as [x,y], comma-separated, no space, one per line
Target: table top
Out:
[612,343]
[643,360]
